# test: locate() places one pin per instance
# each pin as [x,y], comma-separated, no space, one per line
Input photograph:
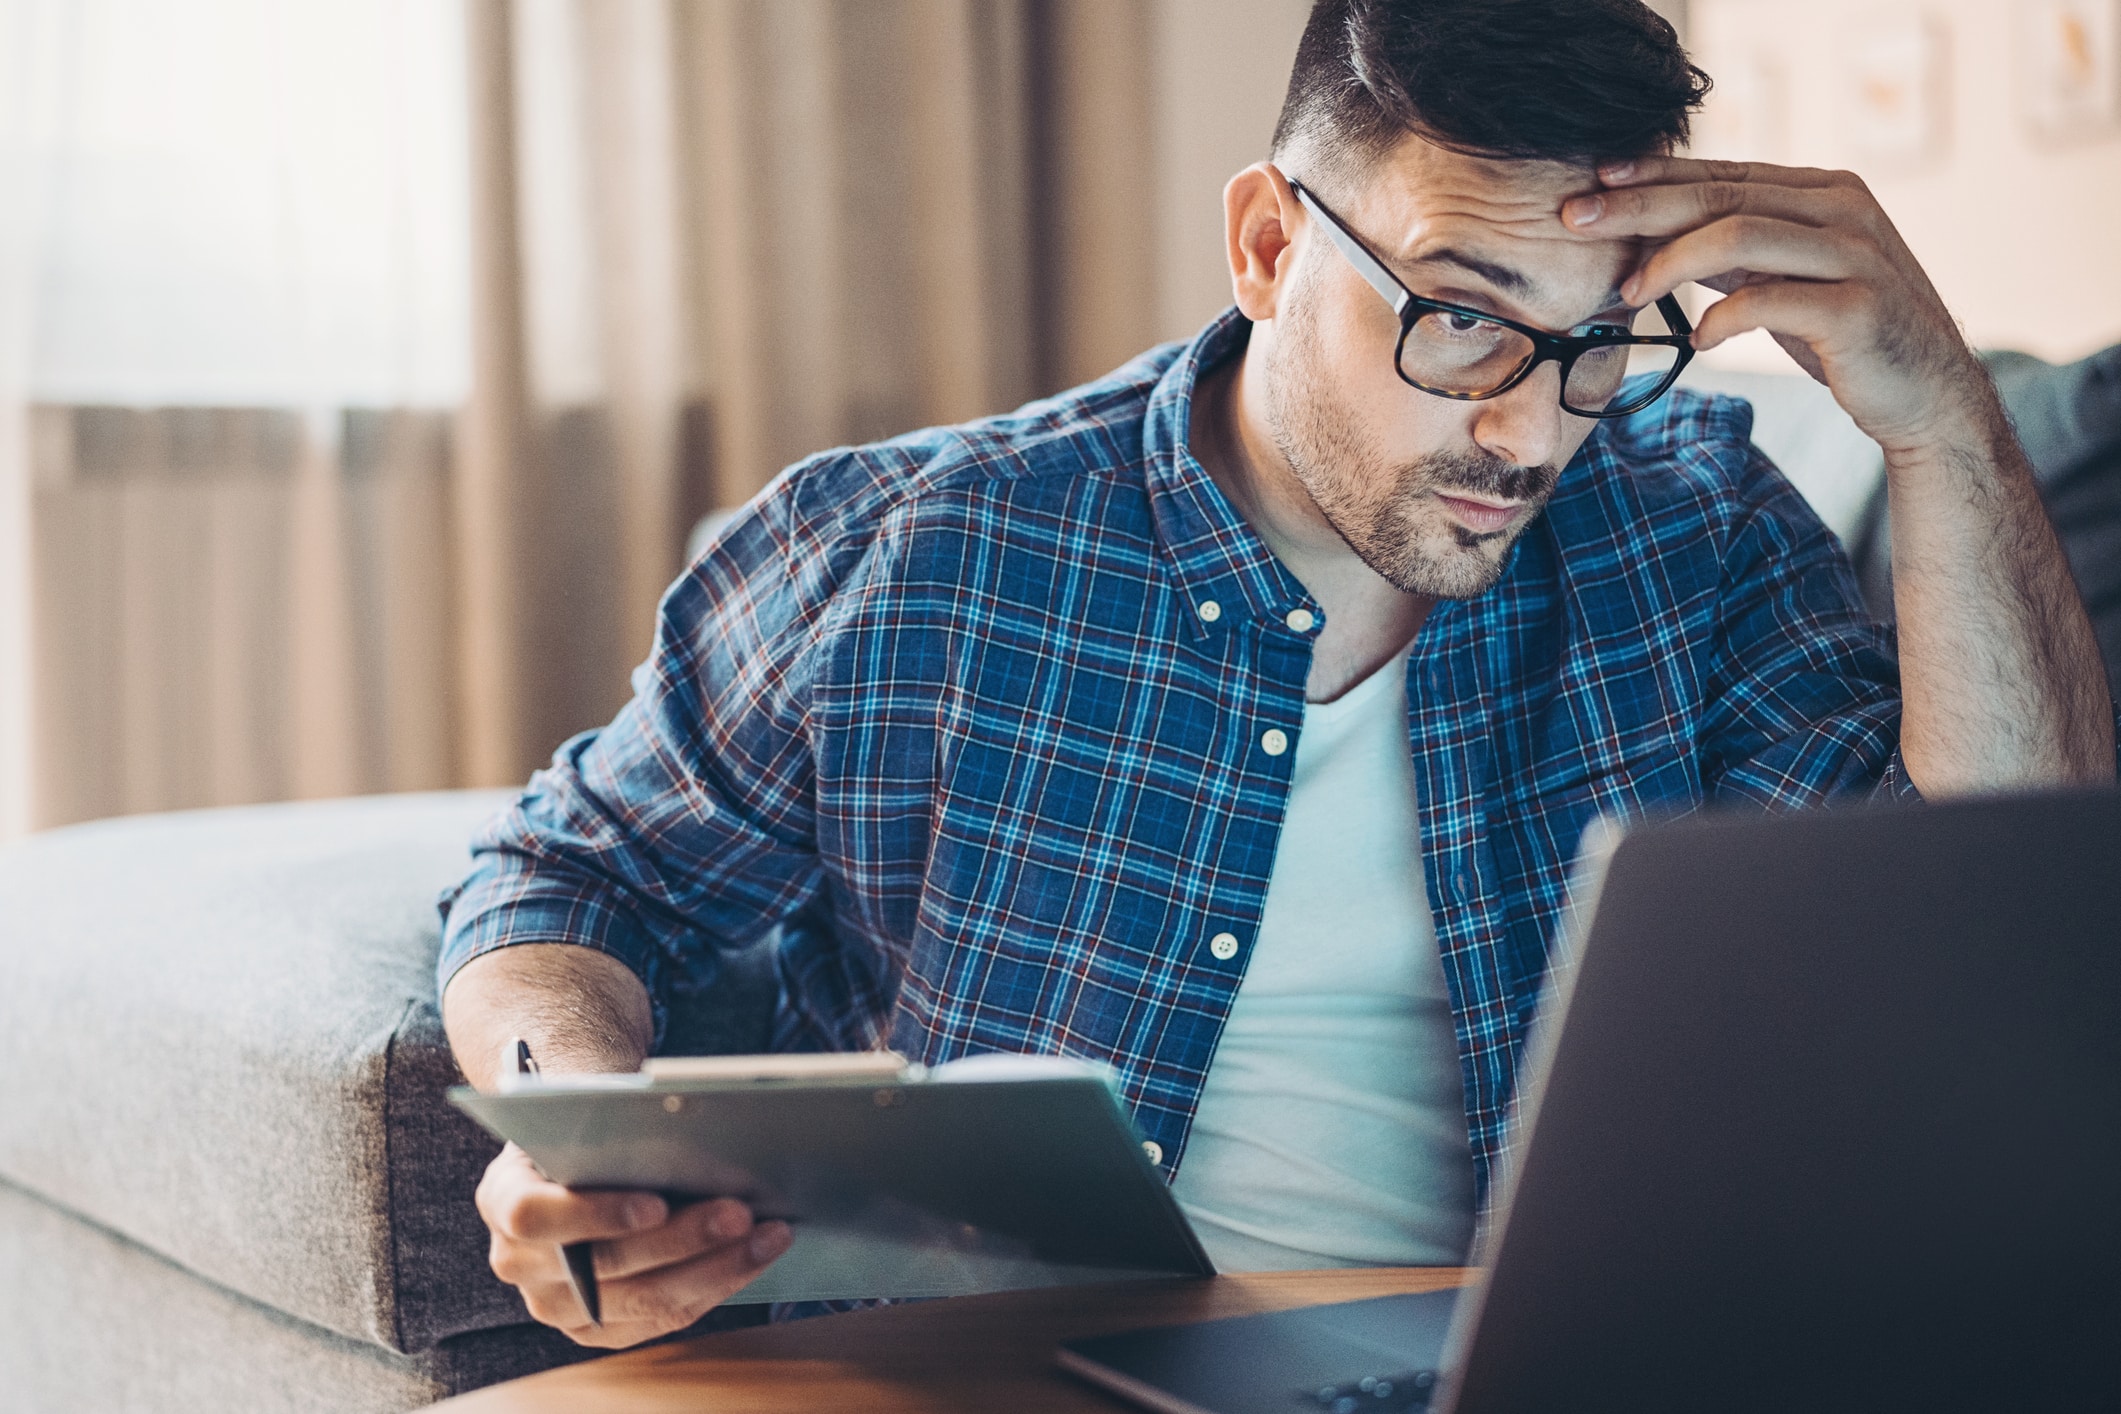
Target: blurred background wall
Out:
[1989,129]
[363,363]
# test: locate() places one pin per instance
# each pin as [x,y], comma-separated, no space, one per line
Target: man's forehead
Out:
[1499,220]
[1522,195]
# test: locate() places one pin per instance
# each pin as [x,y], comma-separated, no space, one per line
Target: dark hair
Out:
[1578,81]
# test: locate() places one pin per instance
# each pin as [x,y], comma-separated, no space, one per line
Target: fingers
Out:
[1810,313]
[521,1204]
[658,1271]
[1728,223]
[1750,243]
[1649,171]
[692,1230]
[669,1298]
[1809,256]
[673,1297]
[553,1303]
[529,1217]
[1658,212]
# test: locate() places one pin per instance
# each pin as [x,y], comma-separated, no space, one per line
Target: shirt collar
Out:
[1224,570]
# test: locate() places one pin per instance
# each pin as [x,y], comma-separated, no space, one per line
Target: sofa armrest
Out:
[221,1041]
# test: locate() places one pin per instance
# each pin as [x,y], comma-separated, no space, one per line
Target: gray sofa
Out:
[228,1176]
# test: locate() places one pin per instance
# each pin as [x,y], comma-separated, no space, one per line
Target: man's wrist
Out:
[1970,430]
[582,1011]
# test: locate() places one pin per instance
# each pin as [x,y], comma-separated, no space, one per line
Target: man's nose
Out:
[1525,425]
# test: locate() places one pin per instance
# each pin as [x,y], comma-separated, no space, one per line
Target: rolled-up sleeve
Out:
[687,825]
[1804,686]
[1805,690]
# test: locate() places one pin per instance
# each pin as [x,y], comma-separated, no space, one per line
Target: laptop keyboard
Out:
[1410,1390]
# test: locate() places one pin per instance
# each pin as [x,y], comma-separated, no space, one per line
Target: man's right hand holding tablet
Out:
[658,1269]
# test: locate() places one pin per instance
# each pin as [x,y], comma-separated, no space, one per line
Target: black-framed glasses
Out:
[1468,354]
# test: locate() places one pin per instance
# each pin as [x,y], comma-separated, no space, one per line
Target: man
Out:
[1234,719]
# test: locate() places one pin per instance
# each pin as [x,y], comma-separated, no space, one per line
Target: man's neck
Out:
[1367,620]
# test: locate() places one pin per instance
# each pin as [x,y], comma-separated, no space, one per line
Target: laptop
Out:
[1822,1112]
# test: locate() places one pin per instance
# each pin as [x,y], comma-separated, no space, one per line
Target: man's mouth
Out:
[1482,516]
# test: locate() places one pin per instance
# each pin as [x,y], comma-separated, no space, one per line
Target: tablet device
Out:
[993,1173]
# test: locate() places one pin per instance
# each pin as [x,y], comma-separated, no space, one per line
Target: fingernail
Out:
[1616,171]
[1627,290]
[644,1211]
[770,1241]
[1586,209]
[728,1224]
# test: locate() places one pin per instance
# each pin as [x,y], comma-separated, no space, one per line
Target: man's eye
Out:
[1463,323]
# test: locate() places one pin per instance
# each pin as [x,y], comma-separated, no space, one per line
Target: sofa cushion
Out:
[106,1325]
[221,1042]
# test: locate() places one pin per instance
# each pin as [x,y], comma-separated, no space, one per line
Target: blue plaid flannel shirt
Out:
[974,717]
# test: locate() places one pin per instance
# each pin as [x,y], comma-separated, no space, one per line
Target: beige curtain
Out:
[709,237]
[232,605]
[717,235]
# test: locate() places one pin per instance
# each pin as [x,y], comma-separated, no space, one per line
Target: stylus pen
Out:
[578,1257]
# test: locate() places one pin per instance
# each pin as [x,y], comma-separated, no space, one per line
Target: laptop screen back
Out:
[1827,1115]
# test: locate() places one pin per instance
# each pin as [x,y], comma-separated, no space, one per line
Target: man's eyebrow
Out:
[1502,277]
[1508,279]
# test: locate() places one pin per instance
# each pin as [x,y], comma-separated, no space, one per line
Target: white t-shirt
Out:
[1332,1128]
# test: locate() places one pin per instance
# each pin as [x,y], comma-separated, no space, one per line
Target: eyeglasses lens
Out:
[1457,353]
[1599,375]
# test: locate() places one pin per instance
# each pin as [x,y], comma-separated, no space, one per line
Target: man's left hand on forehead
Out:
[1792,216]
[1807,255]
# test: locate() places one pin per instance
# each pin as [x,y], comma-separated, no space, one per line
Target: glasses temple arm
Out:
[1675,315]
[1366,265]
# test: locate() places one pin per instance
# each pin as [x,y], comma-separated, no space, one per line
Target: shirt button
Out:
[1223,945]
[1154,1150]
[1274,741]
[1300,620]
[1209,611]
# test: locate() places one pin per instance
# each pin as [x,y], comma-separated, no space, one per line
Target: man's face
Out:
[1431,492]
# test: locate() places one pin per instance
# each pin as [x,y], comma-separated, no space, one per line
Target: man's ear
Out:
[1259,221]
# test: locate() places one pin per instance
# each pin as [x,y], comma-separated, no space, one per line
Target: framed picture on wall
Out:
[2069,68]
[1895,82]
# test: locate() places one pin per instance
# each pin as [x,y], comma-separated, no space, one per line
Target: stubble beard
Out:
[1389,516]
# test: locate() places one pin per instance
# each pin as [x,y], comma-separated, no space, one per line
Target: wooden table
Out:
[976,1354]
